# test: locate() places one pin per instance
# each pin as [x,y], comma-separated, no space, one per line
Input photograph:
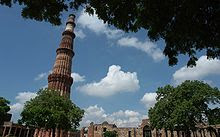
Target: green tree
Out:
[4,108]
[214,116]
[184,106]
[187,26]
[50,110]
[110,134]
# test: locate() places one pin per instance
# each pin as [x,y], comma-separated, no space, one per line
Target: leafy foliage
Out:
[187,26]
[214,116]
[4,108]
[110,134]
[50,110]
[184,106]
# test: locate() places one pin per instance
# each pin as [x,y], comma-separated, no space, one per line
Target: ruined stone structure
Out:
[58,133]
[144,130]
[9,129]
[97,130]
[60,79]
[15,130]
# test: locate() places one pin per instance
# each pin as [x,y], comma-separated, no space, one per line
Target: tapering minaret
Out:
[60,79]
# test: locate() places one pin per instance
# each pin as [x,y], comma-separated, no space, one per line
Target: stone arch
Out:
[147,131]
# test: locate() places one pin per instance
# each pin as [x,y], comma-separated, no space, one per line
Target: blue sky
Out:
[116,73]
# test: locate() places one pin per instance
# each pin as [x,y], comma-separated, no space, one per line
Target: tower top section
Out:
[70,24]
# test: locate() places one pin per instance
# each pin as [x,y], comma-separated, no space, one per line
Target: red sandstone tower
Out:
[60,79]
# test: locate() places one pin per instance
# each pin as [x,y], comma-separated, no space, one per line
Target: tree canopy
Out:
[4,108]
[110,134]
[187,26]
[50,110]
[185,106]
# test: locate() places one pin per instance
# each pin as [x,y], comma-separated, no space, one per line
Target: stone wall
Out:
[144,130]
[126,132]
[15,130]
[58,133]
[205,131]
[97,130]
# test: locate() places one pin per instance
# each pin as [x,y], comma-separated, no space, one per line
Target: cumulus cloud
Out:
[80,34]
[96,25]
[127,118]
[114,82]
[21,98]
[40,76]
[149,99]
[77,77]
[148,47]
[16,108]
[204,67]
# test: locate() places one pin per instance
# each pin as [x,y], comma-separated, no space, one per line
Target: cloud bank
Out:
[204,67]
[94,24]
[21,98]
[126,118]
[148,47]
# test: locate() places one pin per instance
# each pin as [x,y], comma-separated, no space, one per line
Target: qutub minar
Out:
[60,79]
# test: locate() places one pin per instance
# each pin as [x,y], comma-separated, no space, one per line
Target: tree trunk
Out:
[188,134]
[53,132]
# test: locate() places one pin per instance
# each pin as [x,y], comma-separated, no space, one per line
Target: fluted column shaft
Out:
[60,79]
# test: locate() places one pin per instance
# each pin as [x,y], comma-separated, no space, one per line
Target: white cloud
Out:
[77,77]
[204,67]
[16,108]
[96,25]
[45,87]
[127,118]
[148,47]
[149,99]
[21,98]
[116,81]
[79,34]
[41,76]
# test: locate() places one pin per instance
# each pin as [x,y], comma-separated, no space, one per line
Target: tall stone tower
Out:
[60,79]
